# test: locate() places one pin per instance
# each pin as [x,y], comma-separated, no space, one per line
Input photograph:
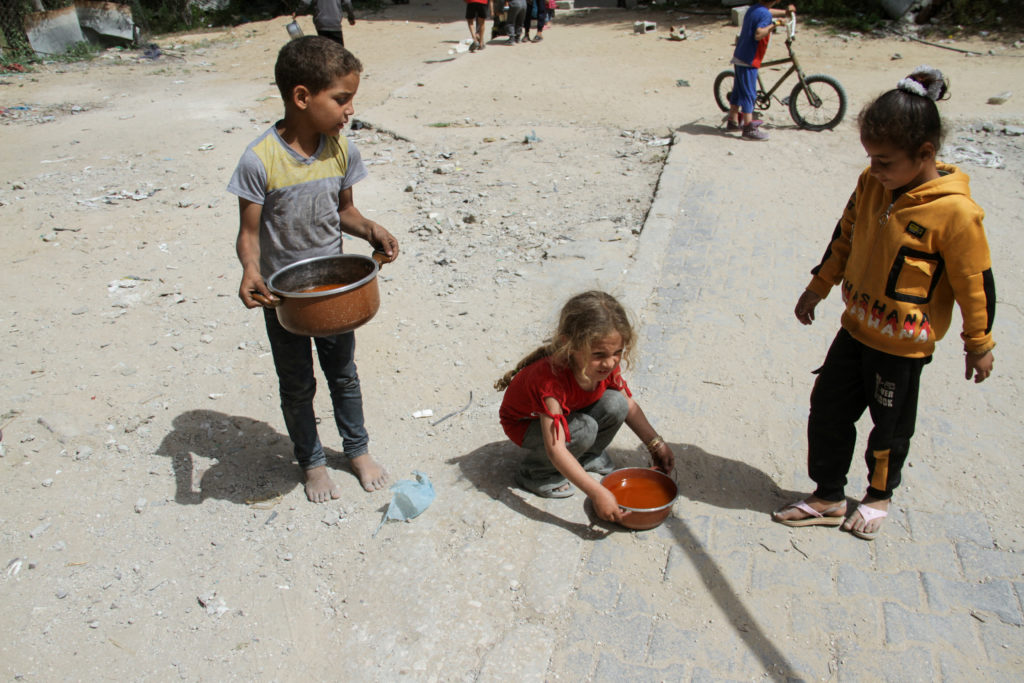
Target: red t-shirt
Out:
[524,397]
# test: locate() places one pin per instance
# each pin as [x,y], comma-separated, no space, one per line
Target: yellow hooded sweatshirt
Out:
[902,262]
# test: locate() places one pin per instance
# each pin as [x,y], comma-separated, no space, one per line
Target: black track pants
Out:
[855,377]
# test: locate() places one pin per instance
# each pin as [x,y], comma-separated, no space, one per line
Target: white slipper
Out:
[868,514]
[827,517]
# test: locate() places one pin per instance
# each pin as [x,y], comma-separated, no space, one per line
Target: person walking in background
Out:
[327,18]
[516,11]
[535,10]
[476,17]
[498,16]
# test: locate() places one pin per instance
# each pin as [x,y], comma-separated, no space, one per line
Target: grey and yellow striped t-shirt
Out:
[299,195]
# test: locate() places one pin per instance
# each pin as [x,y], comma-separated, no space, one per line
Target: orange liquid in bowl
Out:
[321,288]
[641,494]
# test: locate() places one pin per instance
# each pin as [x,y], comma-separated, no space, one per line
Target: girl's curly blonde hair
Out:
[585,319]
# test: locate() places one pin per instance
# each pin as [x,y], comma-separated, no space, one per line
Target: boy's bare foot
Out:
[866,524]
[371,475]
[320,488]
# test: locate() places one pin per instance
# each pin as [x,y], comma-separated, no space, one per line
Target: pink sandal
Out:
[827,517]
[868,514]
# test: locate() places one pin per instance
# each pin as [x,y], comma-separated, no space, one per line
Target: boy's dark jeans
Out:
[540,15]
[293,359]
[336,36]
[855,377]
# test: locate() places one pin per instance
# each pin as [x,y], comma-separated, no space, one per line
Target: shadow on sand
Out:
[725,483]
[700,476]
[491,469]
[703,127]
[773,661]
[233,458]
[731,485]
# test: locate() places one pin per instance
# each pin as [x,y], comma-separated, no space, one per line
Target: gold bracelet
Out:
[654,444]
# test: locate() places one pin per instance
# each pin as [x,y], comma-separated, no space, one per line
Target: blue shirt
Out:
[748,50]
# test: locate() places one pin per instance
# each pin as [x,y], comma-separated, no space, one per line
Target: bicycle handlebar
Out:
[790,25]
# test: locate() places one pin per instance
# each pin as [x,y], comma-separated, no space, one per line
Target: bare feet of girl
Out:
[371,475]
[320,488]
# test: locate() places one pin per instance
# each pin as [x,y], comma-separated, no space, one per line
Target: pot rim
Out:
[327,292]
[660,508]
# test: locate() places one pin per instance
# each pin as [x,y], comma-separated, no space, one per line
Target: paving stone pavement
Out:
[719,592]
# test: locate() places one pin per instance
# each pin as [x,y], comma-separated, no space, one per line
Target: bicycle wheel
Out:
[821,106]
[723,89]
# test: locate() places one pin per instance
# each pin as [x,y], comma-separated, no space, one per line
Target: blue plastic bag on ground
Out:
[408,499]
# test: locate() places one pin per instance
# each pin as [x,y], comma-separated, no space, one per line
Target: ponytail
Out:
[925,81]
[532,357]
[906,117]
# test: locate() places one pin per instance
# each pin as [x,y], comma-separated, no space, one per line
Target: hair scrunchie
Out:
[932,91]
[911,86]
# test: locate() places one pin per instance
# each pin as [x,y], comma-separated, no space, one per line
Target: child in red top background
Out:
[476,17]
[565,402]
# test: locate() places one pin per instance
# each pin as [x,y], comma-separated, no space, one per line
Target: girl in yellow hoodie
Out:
[909,243]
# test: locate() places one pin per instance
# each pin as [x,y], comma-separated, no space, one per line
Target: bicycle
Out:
[817,102]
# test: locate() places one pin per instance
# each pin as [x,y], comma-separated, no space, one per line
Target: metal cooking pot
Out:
[344,293]
[648,494]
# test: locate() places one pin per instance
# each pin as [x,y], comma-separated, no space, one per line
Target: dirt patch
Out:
[153,520]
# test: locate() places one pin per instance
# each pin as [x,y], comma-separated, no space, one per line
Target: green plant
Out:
[80,51]
[164,16]
[975,13]
[850,16]
[17,49]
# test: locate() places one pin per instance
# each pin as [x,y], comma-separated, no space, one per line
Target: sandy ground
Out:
[152,514]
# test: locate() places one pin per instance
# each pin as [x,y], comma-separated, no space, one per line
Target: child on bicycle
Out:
[565,402]
[758,25]
[909,243]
